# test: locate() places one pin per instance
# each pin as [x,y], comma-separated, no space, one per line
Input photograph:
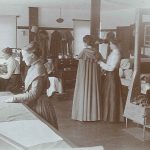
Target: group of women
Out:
[97,94]
[93,100]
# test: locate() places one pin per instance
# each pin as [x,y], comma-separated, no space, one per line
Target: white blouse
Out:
[113,61]
[13,67]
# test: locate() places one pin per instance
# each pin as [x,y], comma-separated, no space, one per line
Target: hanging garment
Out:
[55,46]
[63,42]
[69,38]
[43,43]
[14,83]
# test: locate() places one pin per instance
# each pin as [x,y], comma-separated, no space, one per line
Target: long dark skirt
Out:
[44,108]
[112,98]
[3,84]
[13,84]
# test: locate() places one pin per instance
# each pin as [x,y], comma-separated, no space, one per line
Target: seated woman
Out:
[11,80]
[36,83]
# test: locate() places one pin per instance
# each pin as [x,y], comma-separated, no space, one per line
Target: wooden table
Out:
[15,113]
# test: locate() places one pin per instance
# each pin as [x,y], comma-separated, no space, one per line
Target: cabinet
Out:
[66,69]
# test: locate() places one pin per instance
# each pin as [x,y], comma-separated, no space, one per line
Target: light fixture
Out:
[60,19]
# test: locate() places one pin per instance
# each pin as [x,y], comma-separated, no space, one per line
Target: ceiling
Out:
[78,4]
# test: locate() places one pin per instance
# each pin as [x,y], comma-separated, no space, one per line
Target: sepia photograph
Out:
[74,74]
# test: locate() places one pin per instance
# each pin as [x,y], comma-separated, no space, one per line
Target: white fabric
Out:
[13,67]
[16,134]
[55,86]
[125,64]
[121,72]
[15,111]
[103,50]
[144,87]
[6,93]
[6,97]
[125,82]
[28,132]
[113,61]
[128,73]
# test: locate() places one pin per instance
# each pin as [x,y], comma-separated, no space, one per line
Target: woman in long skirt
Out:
[86,100]
[112,97]
[36,84]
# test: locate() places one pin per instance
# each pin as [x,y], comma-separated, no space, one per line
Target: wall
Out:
[7,27]
[22,12]
[112,19]
[82,28]
[22,20]
[47,18]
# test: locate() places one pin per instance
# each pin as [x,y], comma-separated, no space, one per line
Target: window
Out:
[147,36]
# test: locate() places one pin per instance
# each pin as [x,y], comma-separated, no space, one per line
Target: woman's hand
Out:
[99,62]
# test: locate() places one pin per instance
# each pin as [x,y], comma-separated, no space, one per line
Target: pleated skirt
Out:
[44,108]
[86,100]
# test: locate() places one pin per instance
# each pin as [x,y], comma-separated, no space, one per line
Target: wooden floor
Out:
[110,135]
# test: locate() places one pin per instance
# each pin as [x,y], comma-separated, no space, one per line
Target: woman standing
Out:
[112,98]
[86,100]
[36,84]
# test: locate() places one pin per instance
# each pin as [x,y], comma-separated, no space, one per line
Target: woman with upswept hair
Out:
[86,100]
[112,95]
[36,84]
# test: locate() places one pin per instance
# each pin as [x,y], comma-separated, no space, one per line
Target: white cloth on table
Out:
[55,86]
[79,148]
[22,132]
[20,129]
